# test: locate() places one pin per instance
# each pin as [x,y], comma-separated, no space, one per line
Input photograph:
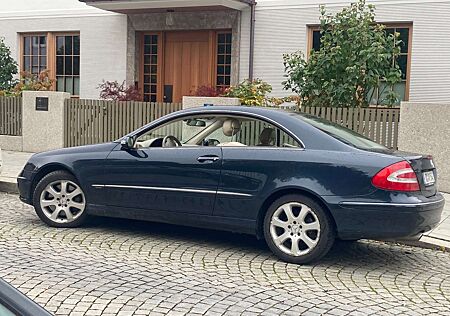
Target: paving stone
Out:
[122,267]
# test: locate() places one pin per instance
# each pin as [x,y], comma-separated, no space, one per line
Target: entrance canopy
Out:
[131,6]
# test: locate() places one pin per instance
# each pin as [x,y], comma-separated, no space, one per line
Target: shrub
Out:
[112,90]
[290,99]
[8,67]
[250,92]
[356,55]
[207,91]
[32,82]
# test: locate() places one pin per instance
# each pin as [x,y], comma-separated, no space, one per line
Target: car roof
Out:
[290,121]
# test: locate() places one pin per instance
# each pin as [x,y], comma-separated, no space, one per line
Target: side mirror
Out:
[127,142]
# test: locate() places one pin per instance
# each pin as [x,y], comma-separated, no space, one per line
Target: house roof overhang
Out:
[124,6]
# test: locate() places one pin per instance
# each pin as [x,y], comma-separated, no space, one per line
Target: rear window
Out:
[342,134]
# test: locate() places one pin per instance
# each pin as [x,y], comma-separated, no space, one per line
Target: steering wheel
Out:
[171,141]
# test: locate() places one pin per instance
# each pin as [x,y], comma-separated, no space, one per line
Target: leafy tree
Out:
[355,58]
[8,67]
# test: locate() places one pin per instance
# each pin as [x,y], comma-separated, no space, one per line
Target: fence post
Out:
[43,120]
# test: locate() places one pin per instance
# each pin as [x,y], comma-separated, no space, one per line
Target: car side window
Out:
[230,131]
[254,132]
[181,130]
[286,141]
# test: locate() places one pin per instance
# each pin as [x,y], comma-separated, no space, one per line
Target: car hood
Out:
[76,150]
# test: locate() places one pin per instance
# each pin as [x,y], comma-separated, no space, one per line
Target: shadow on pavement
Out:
[368,253]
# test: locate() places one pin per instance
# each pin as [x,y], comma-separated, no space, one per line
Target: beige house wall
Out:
[103,36]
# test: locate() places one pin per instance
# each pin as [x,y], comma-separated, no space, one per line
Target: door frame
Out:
[160,63]
[213,38]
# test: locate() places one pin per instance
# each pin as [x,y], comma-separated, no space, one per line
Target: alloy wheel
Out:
[295,229]
[62,201]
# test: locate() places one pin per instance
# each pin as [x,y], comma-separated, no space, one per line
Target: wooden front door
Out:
[188,63]
[174,64]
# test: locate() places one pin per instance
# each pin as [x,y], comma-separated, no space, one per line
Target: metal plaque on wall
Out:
[41,104]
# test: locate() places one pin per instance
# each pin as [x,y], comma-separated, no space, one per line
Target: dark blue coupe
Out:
[295,180]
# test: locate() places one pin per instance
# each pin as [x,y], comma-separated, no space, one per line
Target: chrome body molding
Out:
[115,186]
[233,193]
[391,204]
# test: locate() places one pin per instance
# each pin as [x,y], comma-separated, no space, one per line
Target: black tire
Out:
[40,187]
[325,239]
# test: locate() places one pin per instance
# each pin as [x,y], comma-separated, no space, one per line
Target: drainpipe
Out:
[252,40]
[252,4]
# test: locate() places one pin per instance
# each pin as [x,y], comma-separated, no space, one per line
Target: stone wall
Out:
[14,143]
[425,128]
[192,102]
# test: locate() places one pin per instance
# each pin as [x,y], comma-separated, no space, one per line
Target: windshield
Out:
[343,134]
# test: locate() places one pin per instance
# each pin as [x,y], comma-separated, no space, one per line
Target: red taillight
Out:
[397,177]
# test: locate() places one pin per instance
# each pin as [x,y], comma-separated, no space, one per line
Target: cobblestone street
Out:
[125,267]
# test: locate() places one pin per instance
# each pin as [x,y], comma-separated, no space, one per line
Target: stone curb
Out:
[427,244]
[9,187]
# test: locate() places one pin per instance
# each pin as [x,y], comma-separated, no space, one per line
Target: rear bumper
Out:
[388,220]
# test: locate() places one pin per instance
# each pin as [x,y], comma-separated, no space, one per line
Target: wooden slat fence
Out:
[11,116]
[97,121]
[379,124]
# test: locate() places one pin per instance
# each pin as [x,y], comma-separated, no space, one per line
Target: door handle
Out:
[209,159]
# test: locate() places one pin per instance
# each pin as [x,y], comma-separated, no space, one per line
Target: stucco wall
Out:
[14,143]
[102,34]
[424,128]
[43,130]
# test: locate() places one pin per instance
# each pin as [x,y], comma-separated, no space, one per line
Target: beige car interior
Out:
[230,128]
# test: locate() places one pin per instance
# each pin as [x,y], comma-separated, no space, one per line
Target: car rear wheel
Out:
[59,200]
[298,230]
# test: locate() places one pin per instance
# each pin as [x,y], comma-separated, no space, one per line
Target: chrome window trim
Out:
[262,147]
[116,186]
[391,204]
[238,147]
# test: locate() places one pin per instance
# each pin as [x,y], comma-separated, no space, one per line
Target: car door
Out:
[264,159]
[174,179]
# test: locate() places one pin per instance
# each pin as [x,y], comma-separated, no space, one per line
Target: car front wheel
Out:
[298,230]
[59,200]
